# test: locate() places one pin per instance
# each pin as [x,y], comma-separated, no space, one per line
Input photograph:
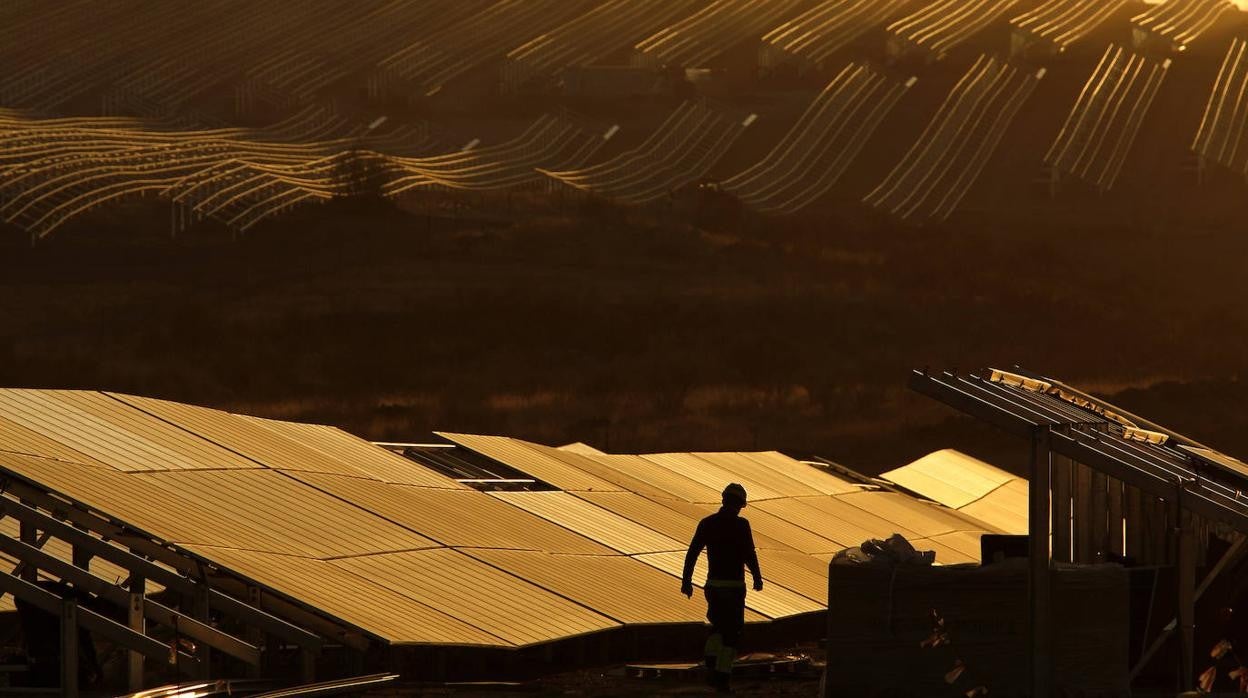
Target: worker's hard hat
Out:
[735,491]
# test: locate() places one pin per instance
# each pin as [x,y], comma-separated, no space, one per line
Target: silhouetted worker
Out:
[729,550]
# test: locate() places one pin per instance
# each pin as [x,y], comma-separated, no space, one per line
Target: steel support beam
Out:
[171,580]
[1116,544]
[354,639]
[19,570]
[81,558]
[1156,484]
[96,623]
[1063,471]
[959,399]
[109,530]
[196,629]
[1232,555]
[137,622]
[69,648]
[1186,569]
[253,634]
[1081,518]
[1039,580]
[30,536]
[307,666]
[1100,518]
[1148,472]
[201,614]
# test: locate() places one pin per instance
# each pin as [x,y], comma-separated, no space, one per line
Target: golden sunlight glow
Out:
[1241,4]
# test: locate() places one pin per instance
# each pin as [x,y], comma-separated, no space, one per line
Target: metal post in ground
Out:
[1185,566]
[69,648]
[136,622]
[1040,642]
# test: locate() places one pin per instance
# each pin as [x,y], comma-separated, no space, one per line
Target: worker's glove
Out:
[758,584]
[686,588]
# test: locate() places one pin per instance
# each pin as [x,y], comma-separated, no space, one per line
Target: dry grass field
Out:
[637,332]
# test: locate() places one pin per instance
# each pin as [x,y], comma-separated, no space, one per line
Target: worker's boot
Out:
[713,645]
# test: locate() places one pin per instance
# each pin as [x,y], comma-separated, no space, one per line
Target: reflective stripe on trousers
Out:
[725,609]
[719,657]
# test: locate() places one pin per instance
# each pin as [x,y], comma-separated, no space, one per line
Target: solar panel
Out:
[112,432]
[455,518]
[476,593]
[835,520]
[533,461]
[357,455]
[286,515]
[382,545]
[774,601]
[949,477]
[358,600]
[591,521]
[619,587]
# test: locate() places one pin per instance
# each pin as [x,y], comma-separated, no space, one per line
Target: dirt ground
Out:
[615,683]
[794,672]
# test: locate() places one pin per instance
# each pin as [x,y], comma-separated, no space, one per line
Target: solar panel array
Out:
[302,58]
[812,156]
[946,160]
[943,25]
[389,548]
[1101,128]
[1222,129]
[826,28]
[1181,22]
[1121,484]
[53,172]
[590,38]
[682,150]
[1062,23]
[698,38]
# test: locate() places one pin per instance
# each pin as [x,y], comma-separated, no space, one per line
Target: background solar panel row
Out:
[826,28]
[969,485]
[936,173]
[1101,128]
[1222,136]
[1062,23]
[812,156]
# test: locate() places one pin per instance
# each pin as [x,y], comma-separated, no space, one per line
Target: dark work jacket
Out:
[729,548]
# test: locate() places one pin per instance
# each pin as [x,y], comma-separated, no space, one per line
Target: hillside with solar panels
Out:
[585,347]
[229,115]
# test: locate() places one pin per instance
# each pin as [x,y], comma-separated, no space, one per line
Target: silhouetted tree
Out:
[360,175]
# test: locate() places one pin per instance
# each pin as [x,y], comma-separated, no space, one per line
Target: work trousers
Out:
[725,609]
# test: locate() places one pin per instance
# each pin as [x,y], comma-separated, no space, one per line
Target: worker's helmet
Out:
[736,492]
